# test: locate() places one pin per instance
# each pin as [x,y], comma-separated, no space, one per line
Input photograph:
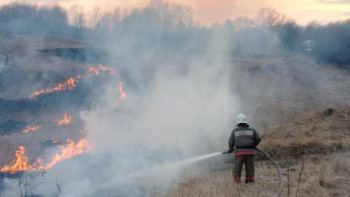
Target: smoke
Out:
[184,83]
[184,103]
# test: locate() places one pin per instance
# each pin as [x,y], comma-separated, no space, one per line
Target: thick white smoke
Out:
[186,113]
[179,104]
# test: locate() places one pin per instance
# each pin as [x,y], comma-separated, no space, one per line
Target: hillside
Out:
[296,127]
[311,150]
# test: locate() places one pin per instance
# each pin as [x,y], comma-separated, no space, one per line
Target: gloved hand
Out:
[227,152]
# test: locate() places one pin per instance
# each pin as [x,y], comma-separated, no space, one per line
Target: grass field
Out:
[312,153]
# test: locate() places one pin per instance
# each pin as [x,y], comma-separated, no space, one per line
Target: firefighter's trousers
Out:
[248,160]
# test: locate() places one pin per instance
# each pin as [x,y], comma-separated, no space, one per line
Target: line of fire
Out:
[64,148]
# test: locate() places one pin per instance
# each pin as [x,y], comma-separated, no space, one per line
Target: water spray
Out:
[174,165]
[157,170]
[195,159]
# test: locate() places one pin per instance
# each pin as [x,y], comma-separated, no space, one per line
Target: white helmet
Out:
[241,118]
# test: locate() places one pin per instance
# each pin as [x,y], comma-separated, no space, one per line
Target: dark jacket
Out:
[243,141]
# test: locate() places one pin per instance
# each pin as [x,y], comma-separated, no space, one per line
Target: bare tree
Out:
[243,23]
[8,51]
[58,183]
[6,55]
[77,15]
[299,178]
[271,17]
[95,17]
[27,184]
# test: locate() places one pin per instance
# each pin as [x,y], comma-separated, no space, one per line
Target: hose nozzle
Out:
[227,152]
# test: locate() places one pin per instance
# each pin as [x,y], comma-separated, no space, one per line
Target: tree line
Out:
[329,43]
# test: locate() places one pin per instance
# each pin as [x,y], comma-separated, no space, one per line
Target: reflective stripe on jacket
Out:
[243,141]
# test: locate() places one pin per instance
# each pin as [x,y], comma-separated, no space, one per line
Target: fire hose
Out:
[278,171]
[276,166]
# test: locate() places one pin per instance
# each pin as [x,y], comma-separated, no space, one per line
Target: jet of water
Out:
[170,166]
[193,160]
[163,172]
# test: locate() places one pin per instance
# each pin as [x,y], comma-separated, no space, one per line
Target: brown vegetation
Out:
[312,152]
[328,176]
[321,132]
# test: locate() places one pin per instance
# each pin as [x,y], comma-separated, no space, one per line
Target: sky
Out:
[208,12]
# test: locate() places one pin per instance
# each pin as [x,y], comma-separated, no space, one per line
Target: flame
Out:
[69,84]
[121,90]
[71,149]
[122,94]
[95,71]
[55,141]
[31,128]
[20,163]
[66,120]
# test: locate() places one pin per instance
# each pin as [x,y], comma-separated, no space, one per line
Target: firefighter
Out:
[242,142]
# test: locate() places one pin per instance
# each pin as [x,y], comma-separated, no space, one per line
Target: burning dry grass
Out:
[24,161]
[95,71]
[71,82]
[21,161]
[122,94]
[67,119]
[31,128]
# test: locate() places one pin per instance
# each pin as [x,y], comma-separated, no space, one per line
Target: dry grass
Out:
[317,133]
[318,143]
[328,176]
